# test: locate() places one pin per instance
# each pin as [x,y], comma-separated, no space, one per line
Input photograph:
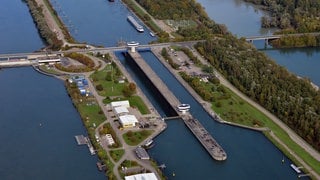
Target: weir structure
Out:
[208,142]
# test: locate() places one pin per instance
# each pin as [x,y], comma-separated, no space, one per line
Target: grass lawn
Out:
[110,88]
[234,109]
[116,154]
[242,112]
[91,113]
[136,101]
[134,138]
[231,107]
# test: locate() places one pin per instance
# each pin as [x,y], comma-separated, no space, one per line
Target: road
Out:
[295,137]
[129,150]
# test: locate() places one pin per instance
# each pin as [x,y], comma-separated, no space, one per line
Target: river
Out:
[38,121]
[250,154]
[243,19]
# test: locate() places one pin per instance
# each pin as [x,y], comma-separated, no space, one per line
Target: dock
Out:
[101,166]
[82,140]
[209,143]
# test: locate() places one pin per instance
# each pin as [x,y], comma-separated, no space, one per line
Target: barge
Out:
[210,144]
[138,27]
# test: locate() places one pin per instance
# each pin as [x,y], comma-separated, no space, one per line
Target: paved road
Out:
[296,138]
[129,150]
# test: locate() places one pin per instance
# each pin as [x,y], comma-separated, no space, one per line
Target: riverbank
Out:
[94,130]
[278,136]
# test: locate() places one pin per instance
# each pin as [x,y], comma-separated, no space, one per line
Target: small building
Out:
[144,176]
[110,140]
[82,90]
[121,80]
[119,111]
[142,153]
[120,103]
[128,121]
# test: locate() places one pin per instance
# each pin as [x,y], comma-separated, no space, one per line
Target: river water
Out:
[250,154]
[38,121]
[243,20]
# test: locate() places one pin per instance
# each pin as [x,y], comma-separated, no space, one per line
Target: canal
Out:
[250,154]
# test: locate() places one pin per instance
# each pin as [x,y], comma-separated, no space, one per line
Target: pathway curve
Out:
[129,150]
[296,138]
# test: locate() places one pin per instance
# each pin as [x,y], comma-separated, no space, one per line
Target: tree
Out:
[99,87]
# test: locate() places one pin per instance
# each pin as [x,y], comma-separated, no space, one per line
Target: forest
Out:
[46,33]
[299,15]
[184,10]
[290,98]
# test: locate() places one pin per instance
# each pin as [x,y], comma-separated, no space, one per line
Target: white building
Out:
[120,103]
[144,176]
[110,140]
[128,121]
[120,110]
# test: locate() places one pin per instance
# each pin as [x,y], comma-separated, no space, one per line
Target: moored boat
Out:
[149,144]
[138,27]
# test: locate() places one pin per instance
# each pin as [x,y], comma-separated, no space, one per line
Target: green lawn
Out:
[116,154]
[91,113]
[134,138]
[136,101]
[234,109]
[110,88]
[231,107]
[243,113]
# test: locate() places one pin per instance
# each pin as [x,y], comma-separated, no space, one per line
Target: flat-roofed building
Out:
[121,110]
[144,176]
[142,153]
[110,140]
[120,103]
[128,121]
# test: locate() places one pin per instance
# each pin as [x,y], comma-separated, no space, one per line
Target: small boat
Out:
[295,168]
[183,107]
[149,144]
[151,34]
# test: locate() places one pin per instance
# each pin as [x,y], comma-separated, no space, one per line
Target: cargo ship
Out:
[138,27]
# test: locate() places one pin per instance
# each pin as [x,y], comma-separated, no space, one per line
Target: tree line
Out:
[46,33]
[300,15]
[184,10]
[290,98]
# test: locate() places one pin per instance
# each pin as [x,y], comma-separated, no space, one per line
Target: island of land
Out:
[225,74]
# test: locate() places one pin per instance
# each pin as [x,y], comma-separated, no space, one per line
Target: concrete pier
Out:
[209,143]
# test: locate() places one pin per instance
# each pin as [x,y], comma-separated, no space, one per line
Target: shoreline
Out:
[206,110]
[272,137]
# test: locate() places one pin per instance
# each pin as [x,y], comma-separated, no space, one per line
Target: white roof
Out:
[120,103]
[144,176]
[121,109]
[128,119]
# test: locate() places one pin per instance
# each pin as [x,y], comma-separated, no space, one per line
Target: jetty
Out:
[209,143]
[82,140]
